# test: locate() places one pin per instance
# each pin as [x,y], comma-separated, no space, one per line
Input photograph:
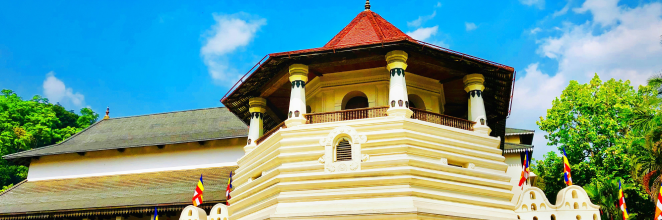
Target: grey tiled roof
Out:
[517,131]
[516,148]
[116,191]
[148,130]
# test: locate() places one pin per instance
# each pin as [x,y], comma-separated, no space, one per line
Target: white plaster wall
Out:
[138,160]
[564,208]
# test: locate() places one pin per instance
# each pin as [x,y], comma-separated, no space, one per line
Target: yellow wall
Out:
[326,93]
[513,139]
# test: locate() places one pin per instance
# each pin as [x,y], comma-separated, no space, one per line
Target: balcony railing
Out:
[269,133]
[446,120]
[375,112]
[344,115]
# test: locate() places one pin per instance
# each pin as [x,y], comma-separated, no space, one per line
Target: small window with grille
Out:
[343,150]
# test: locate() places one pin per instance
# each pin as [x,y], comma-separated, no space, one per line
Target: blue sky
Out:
[160,56]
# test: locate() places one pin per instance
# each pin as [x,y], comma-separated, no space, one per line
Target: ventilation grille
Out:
[343,151]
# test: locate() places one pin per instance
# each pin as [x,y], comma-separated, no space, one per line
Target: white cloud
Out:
[57,92]
[540,4]
[605,12]
[437,5]
[627,47]
[229,33]
[563,10]
[470,26]
[421,19]
[535,30]
[423,33]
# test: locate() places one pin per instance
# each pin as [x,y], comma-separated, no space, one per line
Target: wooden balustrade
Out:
[344,115]
[375,112]
[442,119]
[269,133]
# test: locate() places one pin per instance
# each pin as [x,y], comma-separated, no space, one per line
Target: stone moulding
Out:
[356,139]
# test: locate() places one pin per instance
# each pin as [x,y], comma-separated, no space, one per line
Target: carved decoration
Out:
[444,161]
[471,166]
[330,140]
[365,158]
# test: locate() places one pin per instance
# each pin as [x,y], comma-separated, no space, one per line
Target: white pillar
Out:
[397,95]
[257,110]
[473,85]
[298,78]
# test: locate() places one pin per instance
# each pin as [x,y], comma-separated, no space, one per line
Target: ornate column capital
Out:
[257,104]
[396,59]
[474,82]
[298,72]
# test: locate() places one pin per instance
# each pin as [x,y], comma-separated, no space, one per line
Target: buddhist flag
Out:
[566,169]
[228,190]
[156,215]
[658,207]
[525,167]
[621,201]
[197,195]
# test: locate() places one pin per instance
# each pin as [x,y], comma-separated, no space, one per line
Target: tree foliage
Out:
[29,124]
[593,122]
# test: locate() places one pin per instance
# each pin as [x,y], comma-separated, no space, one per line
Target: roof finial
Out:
[107,111]
[367,5]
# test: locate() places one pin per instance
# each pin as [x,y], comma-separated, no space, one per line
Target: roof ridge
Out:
[163,113]
[375,26]
[14,187]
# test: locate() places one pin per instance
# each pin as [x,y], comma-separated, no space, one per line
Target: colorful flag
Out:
[197,195]
[621,201]
[658,207]
[526,163]
[566,169]
[228,190]
[156,215]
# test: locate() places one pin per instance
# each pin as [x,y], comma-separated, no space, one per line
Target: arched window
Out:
[354,100]
[308,109]
[533,207]
[553,217]
[533,195]
[415,101]
[343,150]
[576,206]
[574,194]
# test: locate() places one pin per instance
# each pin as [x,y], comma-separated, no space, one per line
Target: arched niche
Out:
[354,100]
[343,135]
[416,101]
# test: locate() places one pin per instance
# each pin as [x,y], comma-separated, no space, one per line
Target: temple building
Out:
[372,125]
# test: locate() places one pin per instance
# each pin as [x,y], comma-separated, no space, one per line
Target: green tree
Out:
[29,124]
[592,122]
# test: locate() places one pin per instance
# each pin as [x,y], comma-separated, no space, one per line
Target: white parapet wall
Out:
[572,203]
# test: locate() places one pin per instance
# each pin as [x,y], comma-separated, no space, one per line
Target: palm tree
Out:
[605,194]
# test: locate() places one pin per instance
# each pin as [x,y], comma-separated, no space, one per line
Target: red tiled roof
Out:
[366,28]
